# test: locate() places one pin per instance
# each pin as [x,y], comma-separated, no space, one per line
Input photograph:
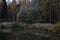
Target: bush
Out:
[54,38]
[56,28]
[3,27]
[17,27]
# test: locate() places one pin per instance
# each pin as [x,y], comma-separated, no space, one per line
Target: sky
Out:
[17,1]
[9,1]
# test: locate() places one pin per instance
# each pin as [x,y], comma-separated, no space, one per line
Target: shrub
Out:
[3,27]
[17,27]
[56,28]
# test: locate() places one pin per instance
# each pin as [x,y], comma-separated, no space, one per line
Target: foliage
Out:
[54,38]
[3,13]
[12,5]
[56,27]
[3,27]
[32,36]
[49,10]
[17,27]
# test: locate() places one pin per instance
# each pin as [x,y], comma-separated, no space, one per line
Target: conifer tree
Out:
[4,15]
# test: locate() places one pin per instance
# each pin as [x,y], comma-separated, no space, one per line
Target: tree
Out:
[4,14]
[49,8]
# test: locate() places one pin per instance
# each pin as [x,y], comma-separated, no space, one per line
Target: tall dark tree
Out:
[53,8]
[4,15]
[49,11]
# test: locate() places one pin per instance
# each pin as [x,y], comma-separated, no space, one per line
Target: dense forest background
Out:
[45,11]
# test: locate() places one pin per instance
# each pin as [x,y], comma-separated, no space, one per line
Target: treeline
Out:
[47,11]
[50,9]
[8,12]
[40,11]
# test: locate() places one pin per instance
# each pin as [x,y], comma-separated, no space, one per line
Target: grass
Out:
[55,27]
[30,32]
